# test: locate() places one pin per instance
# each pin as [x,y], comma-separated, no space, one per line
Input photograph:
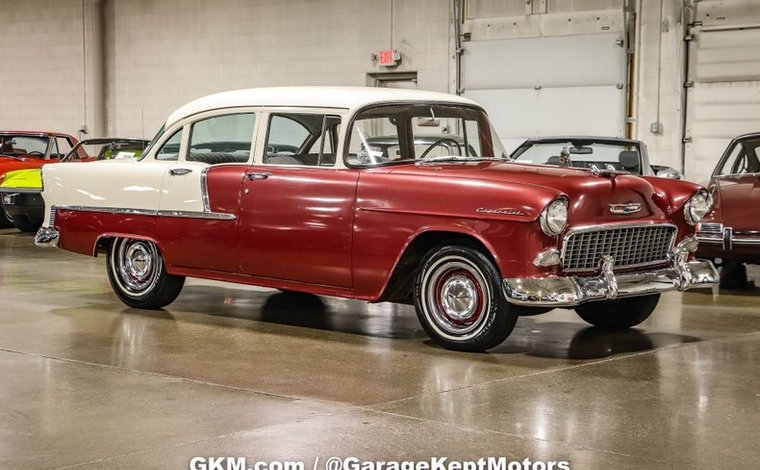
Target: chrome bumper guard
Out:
[47,237]
[570,291]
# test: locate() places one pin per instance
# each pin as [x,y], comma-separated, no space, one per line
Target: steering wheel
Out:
[36,152]
[441,142]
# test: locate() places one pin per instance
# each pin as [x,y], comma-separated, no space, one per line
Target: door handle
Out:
[257,176]
[179,171]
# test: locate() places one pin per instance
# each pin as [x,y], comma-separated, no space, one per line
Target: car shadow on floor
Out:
[572,340]
[545,339]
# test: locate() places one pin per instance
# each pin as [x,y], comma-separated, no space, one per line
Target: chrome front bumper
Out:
[570,291]
[47,237]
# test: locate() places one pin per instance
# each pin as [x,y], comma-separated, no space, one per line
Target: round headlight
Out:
[697,206]
[554,217]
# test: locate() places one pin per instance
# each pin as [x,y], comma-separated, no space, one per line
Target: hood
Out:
[590,195]
[22,179]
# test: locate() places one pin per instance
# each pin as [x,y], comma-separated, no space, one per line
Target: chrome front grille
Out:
[629,246]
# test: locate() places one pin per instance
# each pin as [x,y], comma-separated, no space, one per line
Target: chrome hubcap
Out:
[459,297]
[136,264]
[456,298]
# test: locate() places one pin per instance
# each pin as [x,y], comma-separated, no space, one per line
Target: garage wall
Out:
[547,67]
[163,53]
[659,79]
[43,65]
[723,100]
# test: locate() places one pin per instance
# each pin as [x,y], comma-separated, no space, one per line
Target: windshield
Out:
[106,149]
[23,145]
[419,132]
[623,156]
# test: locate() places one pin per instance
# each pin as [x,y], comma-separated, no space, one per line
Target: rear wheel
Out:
[137,274]
[24,224]
[459,300]
[622,313]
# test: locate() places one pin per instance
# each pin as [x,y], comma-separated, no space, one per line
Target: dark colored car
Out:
[731,231]
[604,153]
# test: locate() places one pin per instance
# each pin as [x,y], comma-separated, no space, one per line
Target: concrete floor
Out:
[233,371]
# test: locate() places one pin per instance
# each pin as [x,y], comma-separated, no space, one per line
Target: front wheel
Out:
[459,300]
[137,274]
[623,313]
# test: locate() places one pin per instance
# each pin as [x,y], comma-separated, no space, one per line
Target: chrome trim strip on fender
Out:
[159,213]
[204,190]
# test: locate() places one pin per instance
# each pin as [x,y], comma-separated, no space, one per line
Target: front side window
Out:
[302,139]
[742,159]
[402,133]
[622,156]
[222,139]
[170,150]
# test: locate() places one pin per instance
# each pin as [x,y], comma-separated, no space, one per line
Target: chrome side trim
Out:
[47,237]
[149,212]
[204,190]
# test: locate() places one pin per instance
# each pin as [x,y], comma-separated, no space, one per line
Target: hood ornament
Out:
[625,209]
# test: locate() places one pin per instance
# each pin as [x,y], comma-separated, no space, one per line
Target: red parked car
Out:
[30,149]
[298,189]
[731,232]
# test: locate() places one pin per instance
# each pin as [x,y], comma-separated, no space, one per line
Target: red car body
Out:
[732,230]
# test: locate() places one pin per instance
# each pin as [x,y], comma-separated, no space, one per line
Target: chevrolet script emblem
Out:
[628,208]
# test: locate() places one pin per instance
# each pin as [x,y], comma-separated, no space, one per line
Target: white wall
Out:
[163,53]
[666,57]
[42,67]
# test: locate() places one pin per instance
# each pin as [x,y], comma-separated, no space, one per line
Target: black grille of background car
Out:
[629,246]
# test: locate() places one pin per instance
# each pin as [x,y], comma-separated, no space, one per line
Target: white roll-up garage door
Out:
[548,85]
[723,99]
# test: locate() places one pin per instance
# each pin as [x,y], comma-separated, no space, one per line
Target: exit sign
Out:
[389,57]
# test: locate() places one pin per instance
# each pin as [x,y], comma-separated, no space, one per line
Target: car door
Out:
[201,186]
[736,179]
[296,206]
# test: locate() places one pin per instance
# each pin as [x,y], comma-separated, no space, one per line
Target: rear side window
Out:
[222,139]
[302,139]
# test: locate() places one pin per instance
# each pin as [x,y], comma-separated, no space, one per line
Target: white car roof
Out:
[350,98]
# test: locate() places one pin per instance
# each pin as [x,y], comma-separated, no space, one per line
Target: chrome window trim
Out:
[614,226]
[149,212]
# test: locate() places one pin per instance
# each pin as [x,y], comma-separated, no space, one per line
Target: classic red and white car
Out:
[291,188]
